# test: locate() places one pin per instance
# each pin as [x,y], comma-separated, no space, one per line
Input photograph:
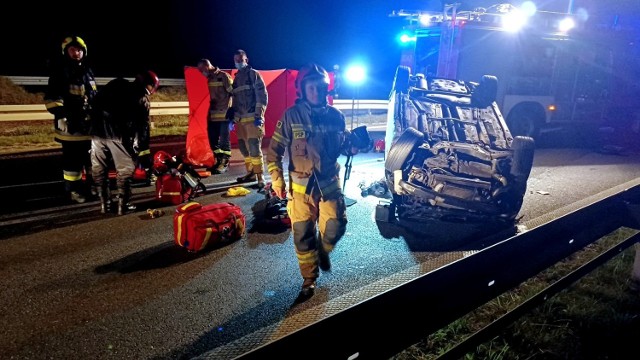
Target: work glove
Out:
[62,125]
[278,185]
[231,125]
[258,121]
[136,146]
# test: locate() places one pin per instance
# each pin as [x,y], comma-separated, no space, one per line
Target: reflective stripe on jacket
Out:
[312,138]
[70,91]
[250,96]
[220,90]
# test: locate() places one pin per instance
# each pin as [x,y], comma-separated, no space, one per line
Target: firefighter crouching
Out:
[121,134]
[313,134]
[70,91]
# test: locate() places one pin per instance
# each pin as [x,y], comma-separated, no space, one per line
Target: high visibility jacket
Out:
[220,91]
[121,112]
[70,91]
[249,94]
[313,139]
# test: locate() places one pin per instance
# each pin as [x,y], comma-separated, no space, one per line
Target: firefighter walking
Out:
[219,117]
[313,135]
[249,106]
[70,91]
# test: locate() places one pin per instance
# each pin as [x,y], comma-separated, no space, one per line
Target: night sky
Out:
[165,35]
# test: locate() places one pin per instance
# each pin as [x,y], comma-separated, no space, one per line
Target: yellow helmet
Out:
[73,40]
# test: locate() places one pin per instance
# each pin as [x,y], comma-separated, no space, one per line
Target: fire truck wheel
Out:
[401,80]
[525,121]
[400,152]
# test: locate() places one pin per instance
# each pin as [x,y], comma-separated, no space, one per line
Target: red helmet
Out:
[161,159]
[308,72]
[150,80]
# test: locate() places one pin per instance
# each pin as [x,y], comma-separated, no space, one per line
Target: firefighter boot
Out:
[222,166]
[124,194]
[308,289]
[260,178]
[124,205]
[250,176]
[105,199]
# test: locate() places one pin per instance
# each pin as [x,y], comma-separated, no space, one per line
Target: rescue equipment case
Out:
[169,189]
[197,226]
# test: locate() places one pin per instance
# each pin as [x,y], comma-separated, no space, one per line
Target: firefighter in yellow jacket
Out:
[313,135]
[249,105]
[220,91]
[70,91]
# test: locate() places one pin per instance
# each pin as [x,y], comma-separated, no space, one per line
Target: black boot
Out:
[124,195]
[105,199]
[247,178]
[222,166]
[124,206]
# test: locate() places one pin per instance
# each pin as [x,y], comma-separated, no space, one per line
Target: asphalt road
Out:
[76,284]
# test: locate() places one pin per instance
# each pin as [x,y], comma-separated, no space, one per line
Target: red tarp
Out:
[281,90]
[198,151]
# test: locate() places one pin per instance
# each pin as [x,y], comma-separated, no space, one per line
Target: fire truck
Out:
[554,71]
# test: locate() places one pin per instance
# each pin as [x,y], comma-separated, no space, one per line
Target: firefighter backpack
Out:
[196,226]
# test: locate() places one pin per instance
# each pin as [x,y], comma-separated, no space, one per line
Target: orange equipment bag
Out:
[197,226]
[169,189]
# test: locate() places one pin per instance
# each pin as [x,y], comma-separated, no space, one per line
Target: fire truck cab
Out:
[551,69]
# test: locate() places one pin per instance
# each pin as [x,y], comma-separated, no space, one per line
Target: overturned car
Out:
[451,154]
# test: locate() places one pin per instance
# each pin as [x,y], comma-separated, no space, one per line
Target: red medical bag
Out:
[197,226]
[169,189]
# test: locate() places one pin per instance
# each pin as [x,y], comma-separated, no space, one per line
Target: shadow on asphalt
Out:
[442,236]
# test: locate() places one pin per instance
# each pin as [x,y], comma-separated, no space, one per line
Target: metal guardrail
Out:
[39,111]
[42,80]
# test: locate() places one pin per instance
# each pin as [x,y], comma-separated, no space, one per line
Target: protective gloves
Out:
[258,121]
[62,125]
[278,185]
[231,125]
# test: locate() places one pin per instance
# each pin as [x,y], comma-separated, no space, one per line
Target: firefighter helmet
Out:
[161,161]
[73,40]
[308,72]
[150,80]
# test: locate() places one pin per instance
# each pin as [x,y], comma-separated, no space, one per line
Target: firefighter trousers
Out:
[219,142]
[315,223]
[250,144]
[76,157]
[107,151]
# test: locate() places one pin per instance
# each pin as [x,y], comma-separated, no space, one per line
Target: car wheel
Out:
[401,80]
[400,153]
[523,149]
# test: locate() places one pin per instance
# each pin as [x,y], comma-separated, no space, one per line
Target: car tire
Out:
[400,153]
[401,80]
[522,162]
[486,92]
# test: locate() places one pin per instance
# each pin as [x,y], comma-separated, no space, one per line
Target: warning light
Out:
[551,107]
[407,37]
